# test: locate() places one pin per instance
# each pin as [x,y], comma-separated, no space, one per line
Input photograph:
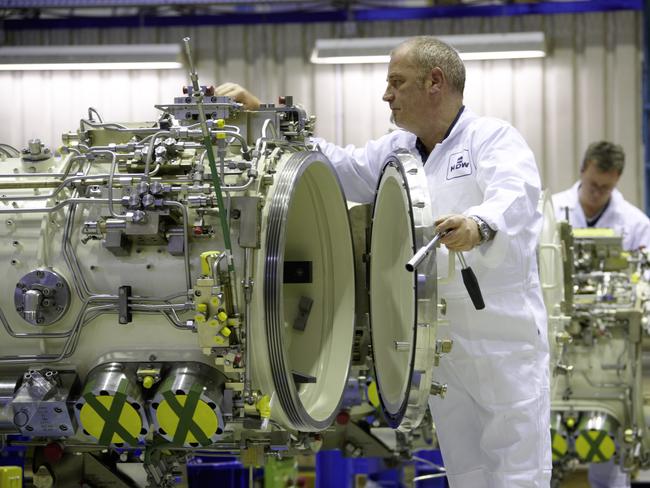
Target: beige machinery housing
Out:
[598,300]
[189,284]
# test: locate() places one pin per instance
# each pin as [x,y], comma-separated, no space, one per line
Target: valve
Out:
[443,346]
[438,389]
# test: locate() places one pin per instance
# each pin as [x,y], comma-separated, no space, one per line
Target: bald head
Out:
[427,53]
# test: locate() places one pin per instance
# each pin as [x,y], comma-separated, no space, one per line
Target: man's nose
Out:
[600,190]
[388,95]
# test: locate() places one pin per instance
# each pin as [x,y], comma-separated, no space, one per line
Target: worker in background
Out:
[493,424]
[594,201]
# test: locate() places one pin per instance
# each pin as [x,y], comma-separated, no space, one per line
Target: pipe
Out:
[111,175]
[186,245]
[68,346]
[247,284]
[147,161]
[39,184]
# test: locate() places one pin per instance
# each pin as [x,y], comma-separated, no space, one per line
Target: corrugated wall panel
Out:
[587,88]
[560,145]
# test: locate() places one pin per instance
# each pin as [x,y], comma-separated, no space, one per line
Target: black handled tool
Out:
[469,278]
[423,252]
[471,283]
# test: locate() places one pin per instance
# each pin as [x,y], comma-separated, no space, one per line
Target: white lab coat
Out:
[493,425]
[620,215]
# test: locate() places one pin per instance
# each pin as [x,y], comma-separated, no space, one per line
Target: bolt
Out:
[59,308]
[39,274]
[59,284]
[267,179]
[15,243]
[63,427]
[29,428]
[58,409]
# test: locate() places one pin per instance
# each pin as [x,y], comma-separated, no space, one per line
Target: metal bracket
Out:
[124,309]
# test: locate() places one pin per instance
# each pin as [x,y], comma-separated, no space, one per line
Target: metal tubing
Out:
[422,253]
[74,330]
[245,186]
[147,161]
[111,175]
[236,135]
[186,245]
[59,188]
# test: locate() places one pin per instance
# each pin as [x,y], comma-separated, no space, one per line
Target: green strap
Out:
[223,218]
[152,451]
[112,417]
[185,414]
[594,450]
[557,454]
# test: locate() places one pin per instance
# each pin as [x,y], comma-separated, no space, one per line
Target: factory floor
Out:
[578,479]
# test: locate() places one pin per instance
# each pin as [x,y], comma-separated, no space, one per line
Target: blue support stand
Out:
[423,469]
[222,472]
[333,470]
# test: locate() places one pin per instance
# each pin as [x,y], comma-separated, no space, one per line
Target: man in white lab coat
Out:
[594,201]
[493,424]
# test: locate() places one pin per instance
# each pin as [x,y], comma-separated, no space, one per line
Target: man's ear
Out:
[435,80]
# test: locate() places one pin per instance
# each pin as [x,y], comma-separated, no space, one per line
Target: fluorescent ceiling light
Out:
[95,57]
[470,47]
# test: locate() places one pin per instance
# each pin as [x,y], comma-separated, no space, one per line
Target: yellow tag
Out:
[594,232]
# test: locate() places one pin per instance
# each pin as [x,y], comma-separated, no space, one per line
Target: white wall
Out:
[587,88]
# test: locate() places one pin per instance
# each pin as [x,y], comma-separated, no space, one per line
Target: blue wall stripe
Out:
[391,14]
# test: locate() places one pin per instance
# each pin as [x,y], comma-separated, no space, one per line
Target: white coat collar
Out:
[453,128]
[615,199]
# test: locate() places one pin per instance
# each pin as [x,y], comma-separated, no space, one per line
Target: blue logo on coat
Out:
[459,165]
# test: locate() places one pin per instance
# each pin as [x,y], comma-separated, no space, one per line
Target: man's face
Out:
[405,93]
[596,186]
